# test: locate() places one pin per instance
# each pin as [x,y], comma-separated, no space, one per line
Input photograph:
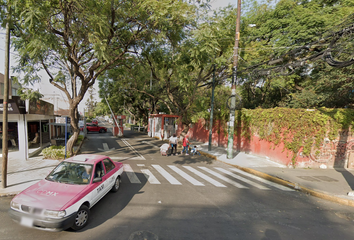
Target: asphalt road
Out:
[191,197]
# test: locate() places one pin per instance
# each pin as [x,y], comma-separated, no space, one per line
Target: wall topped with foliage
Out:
[297,129]
[297,137]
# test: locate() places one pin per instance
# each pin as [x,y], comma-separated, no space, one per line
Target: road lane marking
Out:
[186,176]
[262,180]
[105,148]
[132,149]
[223,178]
[150,177]
[141,165]
[166,175]
[242,179]
[130,173]
[153,145]
[205,177]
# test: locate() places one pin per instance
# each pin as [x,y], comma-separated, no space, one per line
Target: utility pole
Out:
[5,146]
[230,142]
[211,111]
[114,118]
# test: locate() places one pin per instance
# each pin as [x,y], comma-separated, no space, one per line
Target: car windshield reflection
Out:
[71,173]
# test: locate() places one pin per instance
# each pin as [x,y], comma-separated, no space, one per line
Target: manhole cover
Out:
[143,235]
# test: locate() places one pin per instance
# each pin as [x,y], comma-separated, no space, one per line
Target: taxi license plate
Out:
[26,221]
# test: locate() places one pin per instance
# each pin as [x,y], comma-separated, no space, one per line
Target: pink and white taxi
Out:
[64,198]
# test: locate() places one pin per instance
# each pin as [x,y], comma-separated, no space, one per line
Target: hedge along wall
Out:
[297,137]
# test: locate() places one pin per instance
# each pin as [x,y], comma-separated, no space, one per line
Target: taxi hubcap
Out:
[81,218]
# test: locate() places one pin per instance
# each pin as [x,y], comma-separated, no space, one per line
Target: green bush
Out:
[54,152]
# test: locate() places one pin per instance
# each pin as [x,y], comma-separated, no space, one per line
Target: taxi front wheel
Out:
[81,218]
[116,185]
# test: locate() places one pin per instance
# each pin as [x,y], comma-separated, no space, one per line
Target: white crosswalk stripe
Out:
[262,180]
[231,172]
[150,177]
[218,175]
[205,177]
[242,179]
[130,173]
[186,176]
[168,176]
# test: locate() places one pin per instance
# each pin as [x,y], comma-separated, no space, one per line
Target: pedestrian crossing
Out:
[198,176]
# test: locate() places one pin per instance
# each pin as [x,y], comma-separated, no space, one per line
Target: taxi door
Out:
[99,187]
[110,172]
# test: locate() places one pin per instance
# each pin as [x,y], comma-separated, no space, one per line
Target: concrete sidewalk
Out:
[21,174]
[330,184]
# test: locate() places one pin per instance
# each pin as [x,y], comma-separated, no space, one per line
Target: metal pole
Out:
[233,88]
[66,130]
[211,112]
[5,146]
[85,130]
[115,120]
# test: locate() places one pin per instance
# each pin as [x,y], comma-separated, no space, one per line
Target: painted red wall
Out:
[255,145]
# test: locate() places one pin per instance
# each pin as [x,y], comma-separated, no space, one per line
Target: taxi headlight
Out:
[54,214]
[15,206]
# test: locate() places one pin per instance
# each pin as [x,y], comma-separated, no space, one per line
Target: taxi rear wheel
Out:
[116,185]
[82,217]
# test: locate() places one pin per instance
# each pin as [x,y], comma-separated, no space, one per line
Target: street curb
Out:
[288,184]
[9,194]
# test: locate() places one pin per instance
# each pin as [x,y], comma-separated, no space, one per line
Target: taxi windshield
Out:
[71,173]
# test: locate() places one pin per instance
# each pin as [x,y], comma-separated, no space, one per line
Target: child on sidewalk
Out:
[195,150]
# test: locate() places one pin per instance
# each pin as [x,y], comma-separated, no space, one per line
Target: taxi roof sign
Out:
[80,158]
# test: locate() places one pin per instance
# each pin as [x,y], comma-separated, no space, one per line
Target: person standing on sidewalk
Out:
[185,145]
[173,142]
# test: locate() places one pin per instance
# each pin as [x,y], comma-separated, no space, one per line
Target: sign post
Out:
[67,120]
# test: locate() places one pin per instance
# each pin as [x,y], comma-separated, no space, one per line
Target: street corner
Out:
[208,155]
[8,194]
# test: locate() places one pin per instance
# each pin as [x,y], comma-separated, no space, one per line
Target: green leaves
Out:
[29,94]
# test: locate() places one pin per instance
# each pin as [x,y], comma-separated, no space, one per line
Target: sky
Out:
[52,93]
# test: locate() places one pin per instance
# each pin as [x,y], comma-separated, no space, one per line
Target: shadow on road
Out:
[113,203]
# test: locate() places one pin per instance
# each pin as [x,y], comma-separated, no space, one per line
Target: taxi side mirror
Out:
[97,179]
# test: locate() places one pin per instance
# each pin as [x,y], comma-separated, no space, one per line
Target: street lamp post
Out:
[230,142]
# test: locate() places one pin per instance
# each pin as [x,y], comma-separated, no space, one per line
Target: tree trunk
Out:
[184,131]
[75,128]
[72,140]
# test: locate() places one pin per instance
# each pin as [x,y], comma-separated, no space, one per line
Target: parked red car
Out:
[94,128]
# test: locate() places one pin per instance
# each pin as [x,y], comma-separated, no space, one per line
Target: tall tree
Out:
[181,67]
[75,41]
[276,49]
